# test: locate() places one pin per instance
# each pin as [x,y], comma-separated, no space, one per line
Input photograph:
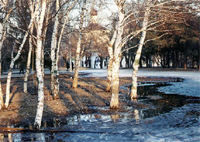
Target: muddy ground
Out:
[90,92]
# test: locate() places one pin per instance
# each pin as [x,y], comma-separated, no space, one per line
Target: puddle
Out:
[150,105]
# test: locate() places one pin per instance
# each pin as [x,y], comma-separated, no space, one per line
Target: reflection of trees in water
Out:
[114,117]
[11,137]
[136,115]
[40,137]
[160,103]
[17,137]
[1,136]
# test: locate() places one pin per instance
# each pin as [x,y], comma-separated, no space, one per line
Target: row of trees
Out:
[35,25]
[179,49]
[150,20]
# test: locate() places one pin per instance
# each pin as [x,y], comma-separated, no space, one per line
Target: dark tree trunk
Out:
[147,61]
[185,62]
[168,59]
[140,63]
[176,59]
[101,62]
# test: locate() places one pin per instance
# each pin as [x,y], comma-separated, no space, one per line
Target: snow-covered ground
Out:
[190,85]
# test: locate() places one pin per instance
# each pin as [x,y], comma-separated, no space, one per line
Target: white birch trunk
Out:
[78,49]
[114,103]
[12,64]
[28,62]
[77,60]
[110,65]
[53,52]
[40,106]
[56,76]
[2,37]
[109,74]
[29,52]
[42,60]
[9,79]
[133,93]
[34,51]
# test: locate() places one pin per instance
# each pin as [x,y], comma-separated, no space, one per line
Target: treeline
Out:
[181,48]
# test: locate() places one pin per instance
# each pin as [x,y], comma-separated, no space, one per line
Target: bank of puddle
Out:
[150,103]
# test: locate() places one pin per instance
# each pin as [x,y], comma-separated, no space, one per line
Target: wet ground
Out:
[190,85]
[155,116]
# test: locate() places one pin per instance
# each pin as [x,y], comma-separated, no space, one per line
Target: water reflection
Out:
[78,123]
[150,103]
[137,116]
[10,137]
[1,136]
[17,137]
[114,117]
[40,137]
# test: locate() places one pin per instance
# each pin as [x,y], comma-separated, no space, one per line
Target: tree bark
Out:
[114,103]
[12,64]
[70,58]
[28,61]
[53,53]
[56,79]
[9,79]
[110,65]
[109,74]
[1,93]
[2,38]
[199,44]
[34,76]
[78,49]
[138,54]
[40,106]
[1,44]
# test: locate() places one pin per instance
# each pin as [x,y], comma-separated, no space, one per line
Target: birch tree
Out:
[114,103]
[55,45]
[12,65]
[40,14]
[1,44]
[78,49]
[140,31]
[110,65]
[29,52]
[165,15]
[4,17]
[54,70]
[133,93]
[56,86]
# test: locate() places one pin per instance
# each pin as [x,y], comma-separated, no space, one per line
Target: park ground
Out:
[90,92]
[91,98]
